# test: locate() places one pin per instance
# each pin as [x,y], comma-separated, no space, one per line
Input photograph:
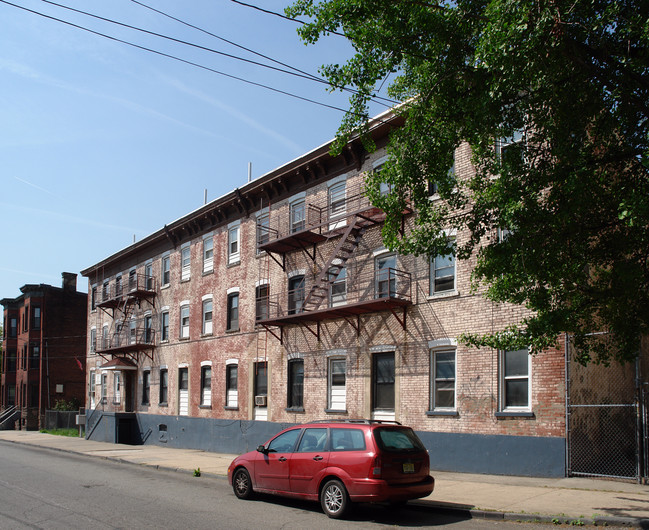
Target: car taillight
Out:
[376,467]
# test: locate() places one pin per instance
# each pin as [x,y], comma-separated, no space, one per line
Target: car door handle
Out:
[317,457]
[282,459]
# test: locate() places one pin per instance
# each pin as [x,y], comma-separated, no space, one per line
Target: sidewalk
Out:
[601,502]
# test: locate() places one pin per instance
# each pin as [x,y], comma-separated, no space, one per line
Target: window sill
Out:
[514,414]
[230,408]
[233,330]
[336,411]
[447,413]
[163,404]
[446,294]
[294,409]
[207,273]
[185,280]
[203,335]
[234,263]
[183,338]
[205,407]
[166,286]
[145,405]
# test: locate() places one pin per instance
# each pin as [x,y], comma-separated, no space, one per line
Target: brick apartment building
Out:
[277,304]
[44,351]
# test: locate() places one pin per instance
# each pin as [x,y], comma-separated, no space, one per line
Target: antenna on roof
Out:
[249,171]
[205,196]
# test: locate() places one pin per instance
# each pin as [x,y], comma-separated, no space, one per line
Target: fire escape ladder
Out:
[337,259]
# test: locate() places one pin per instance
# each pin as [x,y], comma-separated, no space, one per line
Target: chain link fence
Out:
[603,427]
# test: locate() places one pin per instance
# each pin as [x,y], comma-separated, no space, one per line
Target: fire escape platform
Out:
[339,311]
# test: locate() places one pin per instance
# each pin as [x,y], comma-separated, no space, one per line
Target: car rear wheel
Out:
[241,484]
[334,499]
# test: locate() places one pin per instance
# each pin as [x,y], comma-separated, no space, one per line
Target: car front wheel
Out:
[334,499]
[241,484]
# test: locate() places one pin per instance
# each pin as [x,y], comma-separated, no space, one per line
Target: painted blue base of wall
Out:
[529,456]
[465,453]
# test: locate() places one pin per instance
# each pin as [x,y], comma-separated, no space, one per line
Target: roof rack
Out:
[358,421]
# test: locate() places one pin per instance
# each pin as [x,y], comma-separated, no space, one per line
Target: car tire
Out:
[241,483]
[334,499]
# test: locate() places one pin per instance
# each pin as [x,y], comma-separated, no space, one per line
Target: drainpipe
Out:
[566,346]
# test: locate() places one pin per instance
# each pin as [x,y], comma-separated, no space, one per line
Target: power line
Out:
[314,77]
[176,58]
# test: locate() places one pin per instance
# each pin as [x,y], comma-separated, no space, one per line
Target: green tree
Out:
[565,85]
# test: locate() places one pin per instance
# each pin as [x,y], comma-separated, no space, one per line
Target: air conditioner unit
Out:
[260,401]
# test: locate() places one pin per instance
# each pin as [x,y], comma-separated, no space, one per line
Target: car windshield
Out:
[400,440]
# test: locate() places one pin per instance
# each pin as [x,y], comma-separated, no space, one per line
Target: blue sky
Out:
[101,142]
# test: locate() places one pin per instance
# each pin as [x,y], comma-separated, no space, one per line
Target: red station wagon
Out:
[337,462]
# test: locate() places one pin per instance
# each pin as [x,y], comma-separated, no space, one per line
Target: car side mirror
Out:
[261,449]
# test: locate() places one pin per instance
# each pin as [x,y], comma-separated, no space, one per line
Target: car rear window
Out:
[347,439]
[402,440]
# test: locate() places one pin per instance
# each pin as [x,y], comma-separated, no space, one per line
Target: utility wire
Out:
[197,65]
[314,77]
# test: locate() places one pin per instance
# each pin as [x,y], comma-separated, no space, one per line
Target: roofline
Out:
[379,126]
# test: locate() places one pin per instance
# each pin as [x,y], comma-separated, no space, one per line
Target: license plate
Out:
[408,467]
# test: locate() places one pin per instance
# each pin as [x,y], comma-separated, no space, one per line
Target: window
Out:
[337,285]
[386,281]
[433,186]
[93,340]
[515,380]
[184,321]
[104,387]
[442,272]
[117,380]
[105,343]
[206,385]
[118,285]
[207,316]
[164,325]
[313,440]
[347,439]
[11,360]
[146,387]
[183,391]
[105,289]
[261,379]
[132,280]
[34,357]
[93,298]
[234,253]
[164,386]
[13,327]
[261,302]
[295,384]
[233,312]
[166,270]
[337,395]
[11,395]
[285,442]
[263,229]
[185,263]
[91,388]
[231,381]
[208,253]
[337,199]
[509,149]
[443,383]
[132,331]
[298,217]
[36,317]
[148,276]
[295,294]
[148,329]
[383,378]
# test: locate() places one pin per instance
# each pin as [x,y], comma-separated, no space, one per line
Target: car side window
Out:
[347,440]
[284,443]
[313,440]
